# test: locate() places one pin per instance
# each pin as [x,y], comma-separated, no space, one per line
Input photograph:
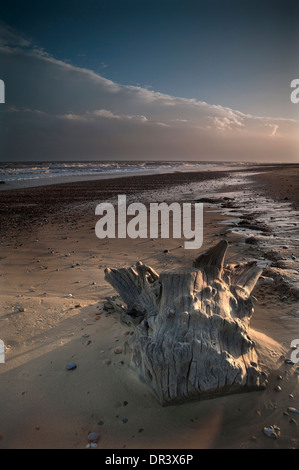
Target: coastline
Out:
[53,293]
[17,177]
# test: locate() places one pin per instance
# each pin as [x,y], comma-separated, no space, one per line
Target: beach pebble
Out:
[91,445]
[266,280]
[118,350]
[272,431]
[125,420]
[277,389]
[288,361]
[71,366]
[93,436]
[108,306]
[293,421]
[293,411]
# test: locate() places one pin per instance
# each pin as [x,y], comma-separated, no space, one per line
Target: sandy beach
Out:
[54,311]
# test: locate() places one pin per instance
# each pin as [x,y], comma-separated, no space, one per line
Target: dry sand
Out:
[52,313]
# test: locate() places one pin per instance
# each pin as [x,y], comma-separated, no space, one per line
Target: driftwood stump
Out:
[191,326]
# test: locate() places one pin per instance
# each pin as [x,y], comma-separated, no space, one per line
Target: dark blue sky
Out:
[242,54]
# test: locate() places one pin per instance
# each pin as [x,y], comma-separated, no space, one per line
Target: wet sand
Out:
[53,312]
[282,184]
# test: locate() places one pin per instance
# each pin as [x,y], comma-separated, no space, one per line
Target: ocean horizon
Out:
[32,173]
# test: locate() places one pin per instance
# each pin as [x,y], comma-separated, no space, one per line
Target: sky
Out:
[149,80]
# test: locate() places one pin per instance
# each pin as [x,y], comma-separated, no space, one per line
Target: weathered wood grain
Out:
[191,326]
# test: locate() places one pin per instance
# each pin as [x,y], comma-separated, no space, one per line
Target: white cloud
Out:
[227,123]
[55,109]
[274,129]
[102,113]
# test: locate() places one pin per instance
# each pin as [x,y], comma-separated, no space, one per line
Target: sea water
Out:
[26,174]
